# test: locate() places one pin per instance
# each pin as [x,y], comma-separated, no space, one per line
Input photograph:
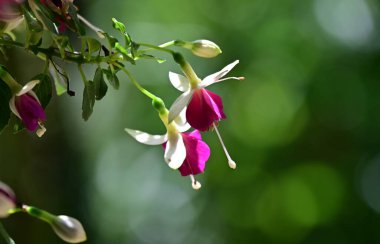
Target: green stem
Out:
[83,75]
[39,213]
[5,235]
[136,84]
[159,48]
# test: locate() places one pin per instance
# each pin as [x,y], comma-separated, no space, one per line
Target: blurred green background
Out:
[304,128]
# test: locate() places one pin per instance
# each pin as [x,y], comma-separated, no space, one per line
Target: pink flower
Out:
[26,106]
[203,107]
[197,153]
[183,151]
[7,200]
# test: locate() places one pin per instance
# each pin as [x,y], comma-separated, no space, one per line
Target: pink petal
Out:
[204,109]
[197,153]
[30,111]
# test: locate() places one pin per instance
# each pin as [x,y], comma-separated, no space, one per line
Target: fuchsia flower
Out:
[7,200]
[204,108]
[183,151]
[25,105]
[57,6]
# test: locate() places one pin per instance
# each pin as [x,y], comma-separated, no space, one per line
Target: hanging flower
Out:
[203,107]
[25,105]
[7,200]
[183,151]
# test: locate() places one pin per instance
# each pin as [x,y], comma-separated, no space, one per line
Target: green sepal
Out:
[100,85]
[88,100]
[5,112]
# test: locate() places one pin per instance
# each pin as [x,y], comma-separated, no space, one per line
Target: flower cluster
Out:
[198,108]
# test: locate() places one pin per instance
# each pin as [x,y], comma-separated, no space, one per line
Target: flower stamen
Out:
[231,162]
[194,183]
[232,78]
[41,131]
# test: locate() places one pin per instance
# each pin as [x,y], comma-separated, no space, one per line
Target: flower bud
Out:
[205,49]
[7,200]
[69,229]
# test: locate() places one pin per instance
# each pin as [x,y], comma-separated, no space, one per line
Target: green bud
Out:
[204,48]
[158,104]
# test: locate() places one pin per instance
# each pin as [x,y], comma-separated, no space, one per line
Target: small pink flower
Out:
[183,151]
[7,200]
[26,106]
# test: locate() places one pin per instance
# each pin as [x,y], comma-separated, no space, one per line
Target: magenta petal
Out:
[30,111]
[197,153]
[204,109]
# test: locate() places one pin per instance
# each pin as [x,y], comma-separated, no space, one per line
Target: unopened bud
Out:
[69,229]
[205,49]
[7,200]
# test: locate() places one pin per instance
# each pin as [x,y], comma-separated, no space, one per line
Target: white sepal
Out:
[181,122]
[175,151]
[28,87]
[211,79]
[179,104]
[146,138]
[179,81]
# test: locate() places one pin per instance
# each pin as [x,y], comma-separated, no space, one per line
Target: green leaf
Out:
[121,27]
[5,112]
[47,21]
[33,24]
[88,100]
[72,11]
[44,89]
[147,56]
[90,46]
[118,26]
[100,85]
[112,78]
[111,40]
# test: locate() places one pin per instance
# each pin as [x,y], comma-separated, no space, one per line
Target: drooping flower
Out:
[25,105]
[7,200]
[204,108]
[183,151]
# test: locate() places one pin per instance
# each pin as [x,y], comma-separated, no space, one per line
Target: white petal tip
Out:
[196,185]
[232,164]
[172,164]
